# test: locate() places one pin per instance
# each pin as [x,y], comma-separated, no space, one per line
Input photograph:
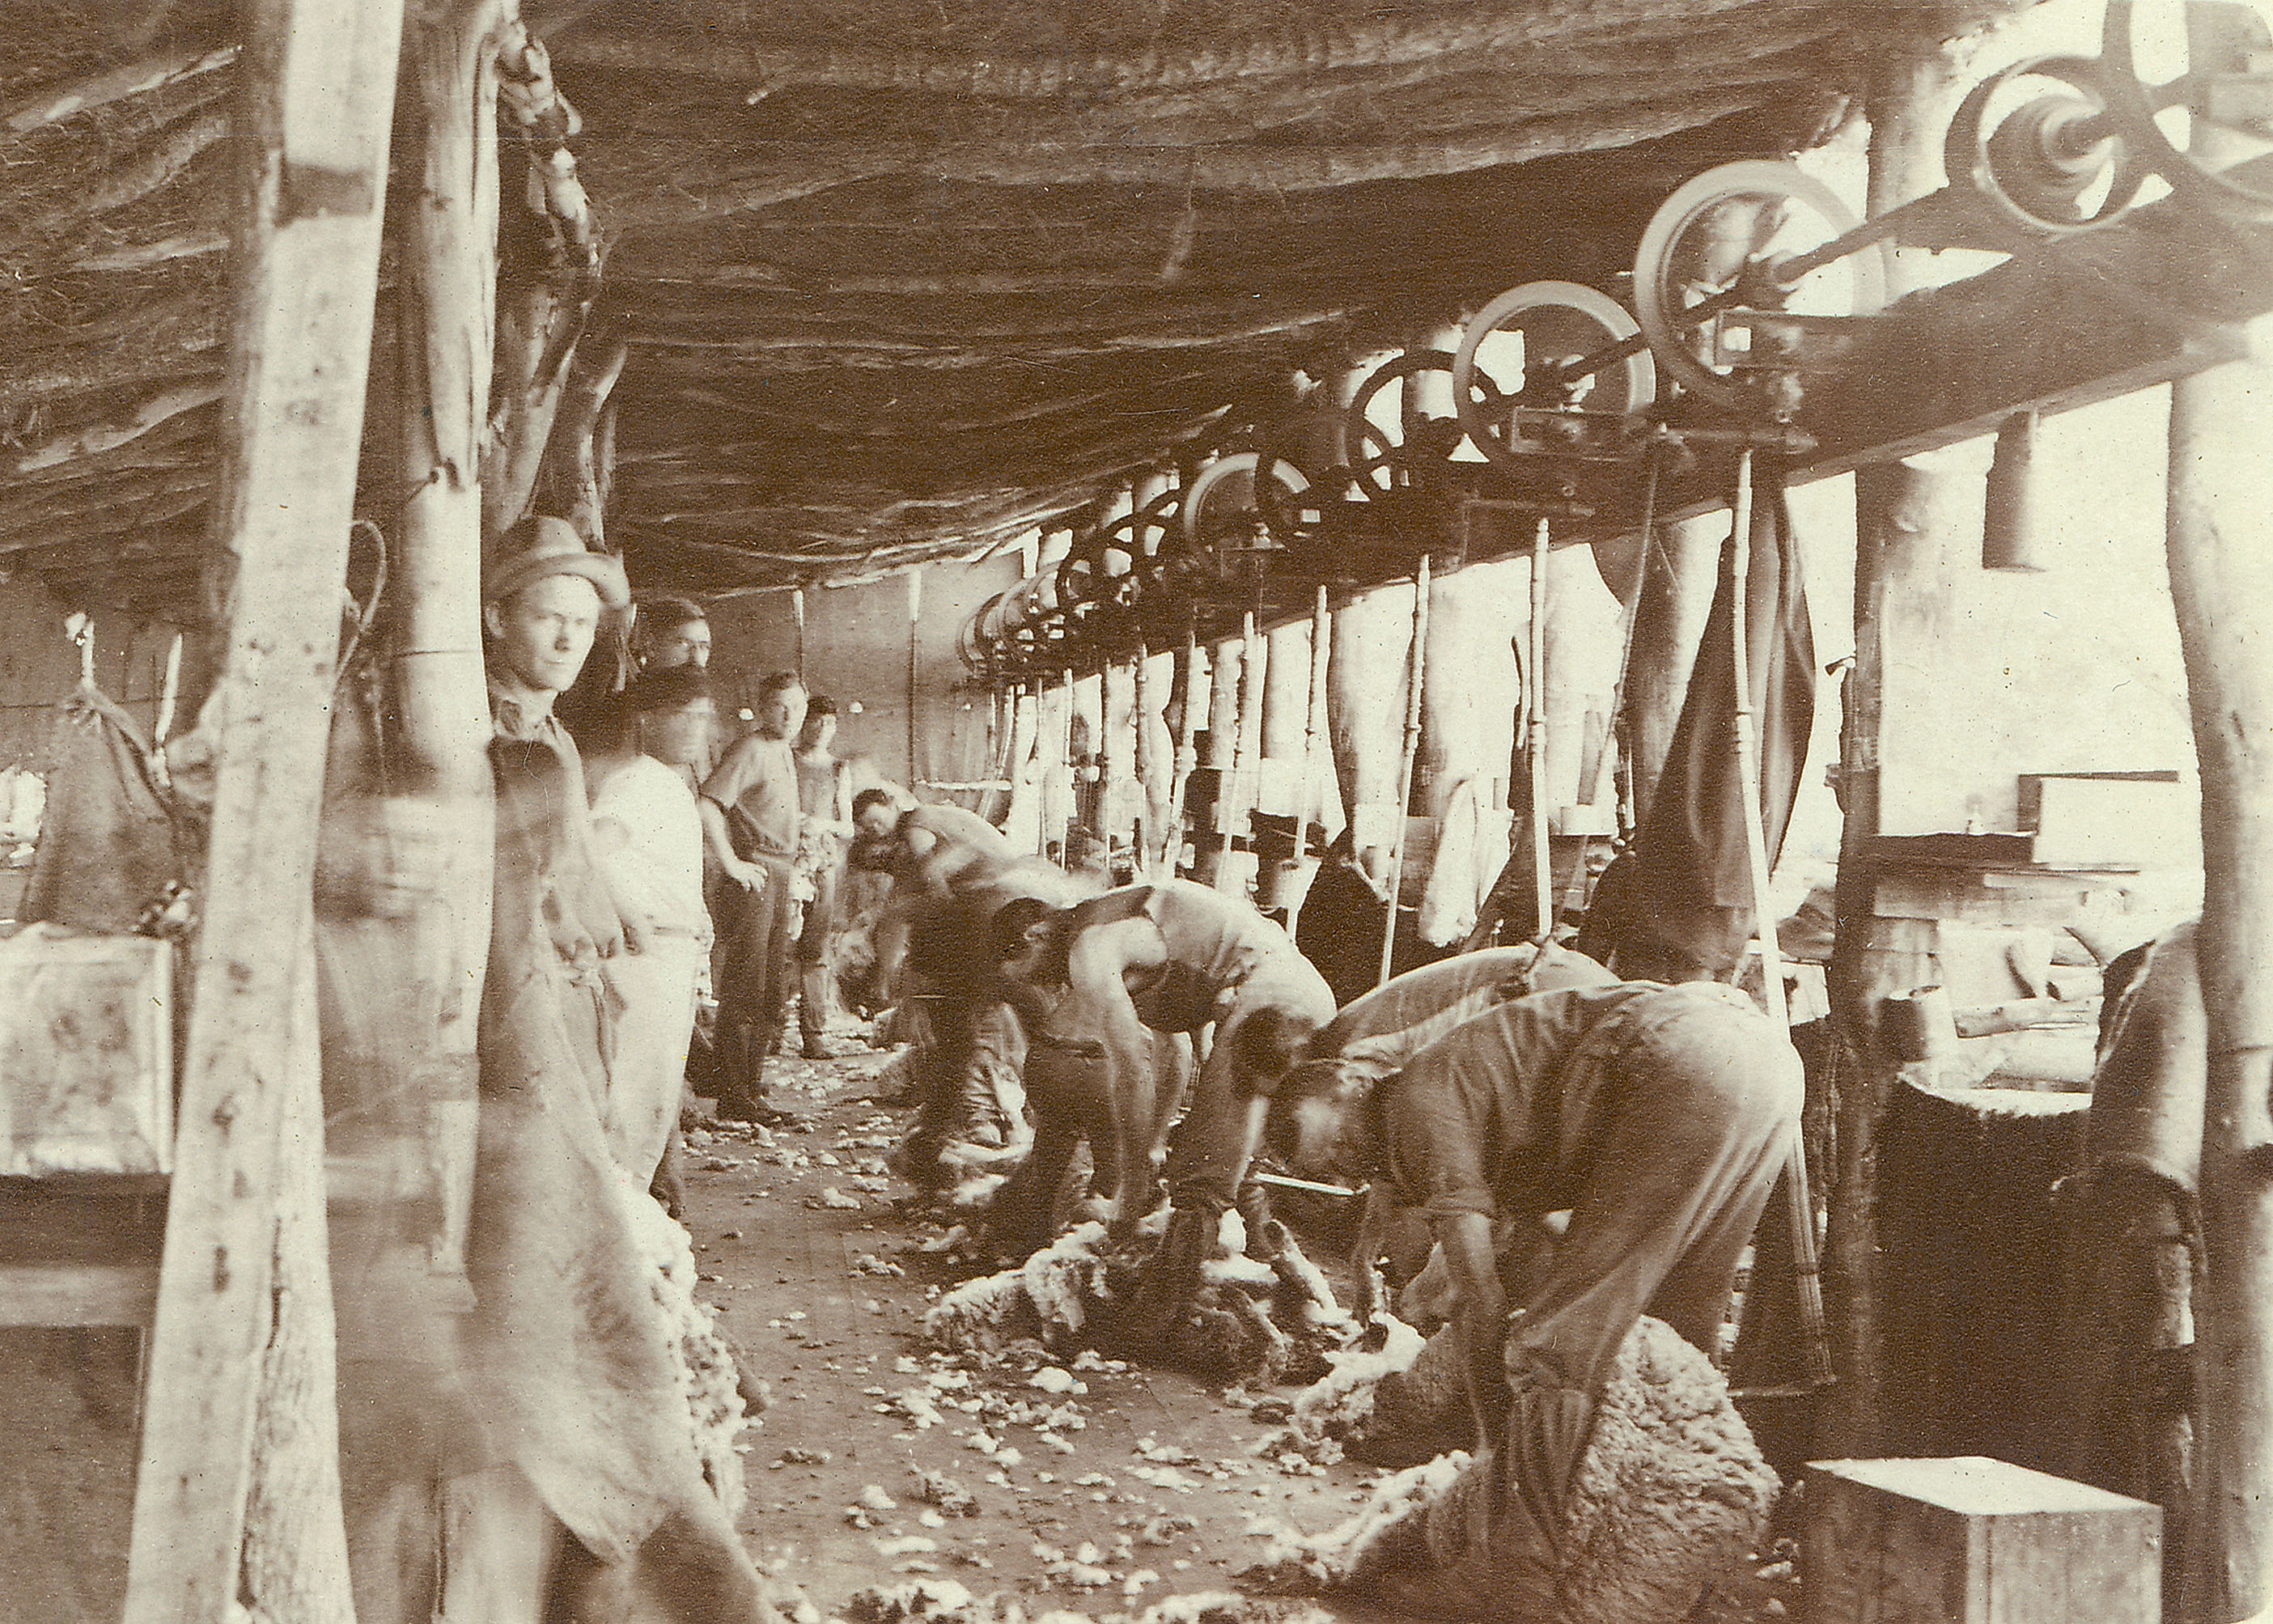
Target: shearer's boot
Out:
[977,1117]
[742,1085]
[1170,1287]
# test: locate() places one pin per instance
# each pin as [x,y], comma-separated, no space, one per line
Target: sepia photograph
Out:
[1135,812]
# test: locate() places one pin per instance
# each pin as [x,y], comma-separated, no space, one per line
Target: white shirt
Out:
[658,867]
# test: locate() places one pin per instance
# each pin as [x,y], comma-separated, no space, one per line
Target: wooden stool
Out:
[1972,1540]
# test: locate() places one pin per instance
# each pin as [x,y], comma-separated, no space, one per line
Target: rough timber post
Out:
[1227,665]
[447,306]
[1118,789]
[449,231]
[2220,541]
[1155,749]
[1899,512]
[1312,801]
[1281,785]
[240,1271]
[1416,685]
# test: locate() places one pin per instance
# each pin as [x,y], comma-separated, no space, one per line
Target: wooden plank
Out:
[313,136]
[66,1294]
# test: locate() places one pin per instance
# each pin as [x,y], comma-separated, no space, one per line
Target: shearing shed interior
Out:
[887,812]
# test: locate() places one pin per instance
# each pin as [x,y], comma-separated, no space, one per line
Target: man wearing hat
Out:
[541,601]
[568,1366]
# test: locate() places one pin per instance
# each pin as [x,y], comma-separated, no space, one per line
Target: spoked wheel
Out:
[1224,496]
[2038,142]
[1099,575]
[2165,99]
[1756,235]
[1549,346]
[1378,454]
[1144,535]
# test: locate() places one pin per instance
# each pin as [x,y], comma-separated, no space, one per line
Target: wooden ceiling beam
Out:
[2170,291]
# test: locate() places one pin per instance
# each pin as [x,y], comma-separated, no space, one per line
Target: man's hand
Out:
[637,927]
[750,876]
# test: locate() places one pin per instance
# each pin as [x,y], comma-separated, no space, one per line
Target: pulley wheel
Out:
[1225,489]
[1547,345]
[2055,162]
[1729,237]
[2153,83]
[1377,452]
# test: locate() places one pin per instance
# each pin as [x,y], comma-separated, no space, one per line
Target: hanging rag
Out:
[106,847]
[1677,904]
[1454,889]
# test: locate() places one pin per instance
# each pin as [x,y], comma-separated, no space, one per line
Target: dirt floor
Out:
[1103,1497]
[1088,1487]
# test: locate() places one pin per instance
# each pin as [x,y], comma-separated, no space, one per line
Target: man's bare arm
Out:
[747,875]
[1098,962]
[894,922]
[1097,972]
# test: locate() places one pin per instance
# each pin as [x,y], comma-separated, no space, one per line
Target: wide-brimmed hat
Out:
[542,546]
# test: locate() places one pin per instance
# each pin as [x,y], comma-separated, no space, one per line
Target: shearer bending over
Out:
[1660,1117]
[950,870]
[1374,1035]
[1172,956]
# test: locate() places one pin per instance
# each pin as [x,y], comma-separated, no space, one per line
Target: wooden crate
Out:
[1972,1540]
[86,1055]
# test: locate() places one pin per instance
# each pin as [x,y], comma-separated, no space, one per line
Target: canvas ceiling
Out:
[901,278]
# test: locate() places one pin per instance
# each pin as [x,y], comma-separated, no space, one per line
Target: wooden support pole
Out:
[2220,540]
[1064,816]
[1279,788]
[915,624]
[244,1255]
[445,304]
[1535,735]
[1235,797]
[1188,677]
[443,307]
[1254,682]
[1116,744]
[1415,686]
[1314,724]
[1148,764]
[1899,512]
[1021,824]
[296,1543]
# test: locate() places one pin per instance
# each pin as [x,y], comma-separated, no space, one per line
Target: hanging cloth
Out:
[107,850]
[1677,906]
